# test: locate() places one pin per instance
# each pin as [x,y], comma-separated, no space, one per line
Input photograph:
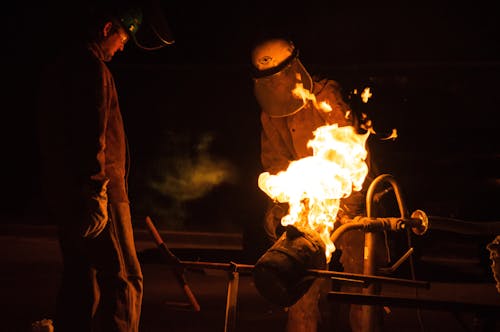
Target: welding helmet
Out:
[277,71]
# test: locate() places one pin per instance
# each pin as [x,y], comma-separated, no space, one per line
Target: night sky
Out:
[189,107]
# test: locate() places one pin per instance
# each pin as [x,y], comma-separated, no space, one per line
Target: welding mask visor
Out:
[274,88]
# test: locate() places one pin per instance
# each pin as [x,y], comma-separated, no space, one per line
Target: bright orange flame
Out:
[313,186]
[305,95]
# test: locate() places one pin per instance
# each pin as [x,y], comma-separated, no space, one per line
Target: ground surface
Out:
[30,274]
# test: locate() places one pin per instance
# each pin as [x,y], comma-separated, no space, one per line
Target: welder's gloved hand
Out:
[341,218]
[272,220]
[354,205]
[95,216]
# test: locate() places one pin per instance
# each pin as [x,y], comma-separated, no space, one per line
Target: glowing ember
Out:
[313,186]
[393,135]
[365,95]
[367,123]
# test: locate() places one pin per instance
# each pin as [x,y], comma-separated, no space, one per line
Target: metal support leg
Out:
[368,312]
[231,301]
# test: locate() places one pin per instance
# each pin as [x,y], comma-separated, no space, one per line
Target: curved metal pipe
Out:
[397,191]
[348,226]
[368,312]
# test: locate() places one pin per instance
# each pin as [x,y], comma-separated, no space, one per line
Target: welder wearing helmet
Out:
[85,164]
[288,122]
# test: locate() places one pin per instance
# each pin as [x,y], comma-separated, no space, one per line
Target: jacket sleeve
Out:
[275,154]
[331,92]
[89,118]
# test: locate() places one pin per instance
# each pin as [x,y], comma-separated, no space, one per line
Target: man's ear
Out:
[107,29]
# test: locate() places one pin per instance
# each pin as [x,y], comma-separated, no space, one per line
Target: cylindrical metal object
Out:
[280,274]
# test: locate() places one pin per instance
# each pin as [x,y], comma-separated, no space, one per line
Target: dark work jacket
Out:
[82,138]
[284,139]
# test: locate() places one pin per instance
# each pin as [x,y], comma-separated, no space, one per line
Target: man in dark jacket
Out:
[85,163]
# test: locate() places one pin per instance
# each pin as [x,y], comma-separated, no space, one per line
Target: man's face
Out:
[114,41]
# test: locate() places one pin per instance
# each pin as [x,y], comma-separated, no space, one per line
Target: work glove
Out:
[272,220]
[95,216]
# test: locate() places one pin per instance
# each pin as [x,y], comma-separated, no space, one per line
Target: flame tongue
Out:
[313,186]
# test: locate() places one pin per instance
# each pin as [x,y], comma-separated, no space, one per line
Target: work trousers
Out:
[102,284]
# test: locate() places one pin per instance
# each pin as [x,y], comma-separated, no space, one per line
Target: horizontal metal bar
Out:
[410,302]
[245,268]
[371,278]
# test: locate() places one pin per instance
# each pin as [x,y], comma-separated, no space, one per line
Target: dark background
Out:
[193,123]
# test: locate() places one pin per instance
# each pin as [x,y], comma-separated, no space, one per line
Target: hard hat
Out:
[131,19]
[277,71]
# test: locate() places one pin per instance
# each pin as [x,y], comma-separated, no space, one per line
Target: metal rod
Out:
[231,301]
[369,224]
[244,268]
[173,261]
[398,263]
[348,226]
[397,191]
[410,302]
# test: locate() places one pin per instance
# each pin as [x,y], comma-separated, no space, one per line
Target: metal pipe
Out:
[231,301]
[412,302]
[173,261]
[398,263]
[367,224]
[242,268]
[397,192]
[370,279]
[348,226]
[245,268]
[368,312]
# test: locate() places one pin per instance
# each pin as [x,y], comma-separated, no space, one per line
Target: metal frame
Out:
[418,223]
